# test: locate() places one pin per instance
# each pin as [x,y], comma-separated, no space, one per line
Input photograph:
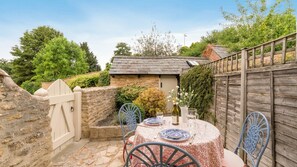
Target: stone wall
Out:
[141,80]
[25,133]
[105,133]
[97,104]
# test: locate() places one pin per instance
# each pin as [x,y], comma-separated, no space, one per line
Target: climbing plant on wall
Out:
[200,80]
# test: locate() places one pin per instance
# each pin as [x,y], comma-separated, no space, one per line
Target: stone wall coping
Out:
[99,88]
[105,127]
[8,81]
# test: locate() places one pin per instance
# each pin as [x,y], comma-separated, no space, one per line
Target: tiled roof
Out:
[152,65]
[221,51]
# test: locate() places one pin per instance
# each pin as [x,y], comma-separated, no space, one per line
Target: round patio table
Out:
[205,143]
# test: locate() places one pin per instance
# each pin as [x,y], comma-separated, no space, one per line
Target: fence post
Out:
[226,110]
[243,89]
[272,119]
[77,113]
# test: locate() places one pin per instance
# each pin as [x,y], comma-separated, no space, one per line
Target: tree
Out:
[90,58]
[59,59]
[107,66]
[155,44]
[195,49]
[6,65]
[30,44]
[254,24]
[122,49]
[257,23]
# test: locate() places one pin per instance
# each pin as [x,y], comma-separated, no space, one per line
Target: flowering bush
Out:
[152,100]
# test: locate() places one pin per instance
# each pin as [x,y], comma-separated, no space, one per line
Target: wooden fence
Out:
[265,81]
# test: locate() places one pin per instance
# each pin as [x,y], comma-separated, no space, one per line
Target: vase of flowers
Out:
[182,99]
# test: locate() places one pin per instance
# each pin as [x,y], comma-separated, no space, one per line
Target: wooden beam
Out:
[222,65]
[272,118]
[262,55]
[296,48]
[215,67]
[284,50]
[236,61]
[247,60]
[272,53]
[243,89]
[232,63]
[254,58]
[227,63]
[226,110]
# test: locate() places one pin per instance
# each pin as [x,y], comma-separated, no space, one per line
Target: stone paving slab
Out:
[91,154]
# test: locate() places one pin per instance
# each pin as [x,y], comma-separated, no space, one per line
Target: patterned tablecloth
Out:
[206,146]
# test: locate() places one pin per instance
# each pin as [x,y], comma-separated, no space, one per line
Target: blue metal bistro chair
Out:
[253,141]
[128,116]
[151,155]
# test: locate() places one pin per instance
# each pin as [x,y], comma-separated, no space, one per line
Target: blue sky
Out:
[104,23]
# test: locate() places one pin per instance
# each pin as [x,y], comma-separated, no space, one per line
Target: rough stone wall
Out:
[141,80]
[25,133]
[97,104]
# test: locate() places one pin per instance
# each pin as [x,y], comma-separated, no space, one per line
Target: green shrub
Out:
[128,94]
[151,101]
[200,80]
[31,86]
[84,81]
[104,79]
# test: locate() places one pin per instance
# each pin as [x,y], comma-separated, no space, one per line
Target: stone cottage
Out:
[160,72]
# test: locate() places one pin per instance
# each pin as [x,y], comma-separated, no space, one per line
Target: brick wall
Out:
[25,133]
[97,104]
[141,80]
[213,56]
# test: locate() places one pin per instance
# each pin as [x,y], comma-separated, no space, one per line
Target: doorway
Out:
[167,83]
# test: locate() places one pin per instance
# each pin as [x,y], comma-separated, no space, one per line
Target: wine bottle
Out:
[175,115]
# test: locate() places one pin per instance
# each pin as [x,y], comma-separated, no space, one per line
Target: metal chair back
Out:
[151,154]
[254,137]
[129,115]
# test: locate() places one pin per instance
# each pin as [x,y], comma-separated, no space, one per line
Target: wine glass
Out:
[159,115]
[191,119]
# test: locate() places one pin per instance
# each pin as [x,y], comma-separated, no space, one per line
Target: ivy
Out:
[200,80]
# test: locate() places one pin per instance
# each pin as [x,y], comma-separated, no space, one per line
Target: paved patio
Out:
[91,154]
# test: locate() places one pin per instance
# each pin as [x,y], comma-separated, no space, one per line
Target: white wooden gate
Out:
[61,100]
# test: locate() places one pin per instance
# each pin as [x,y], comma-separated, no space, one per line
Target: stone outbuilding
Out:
[215,52]
[160,72]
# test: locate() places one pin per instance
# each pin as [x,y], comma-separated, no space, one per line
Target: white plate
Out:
[152,121]
[176,135]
